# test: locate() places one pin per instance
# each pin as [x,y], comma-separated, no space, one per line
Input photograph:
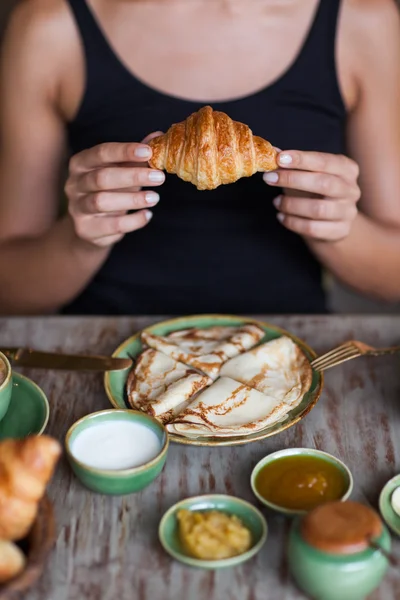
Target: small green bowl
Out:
[249,515]
[6,386]
[124,481]
[391,518]
[304,452]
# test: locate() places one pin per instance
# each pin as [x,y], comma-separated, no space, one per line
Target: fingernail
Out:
[280,217]
[152,198]
[148,214]
[277,201]
[271,177]
[142,152]
[156,176]
[285,159]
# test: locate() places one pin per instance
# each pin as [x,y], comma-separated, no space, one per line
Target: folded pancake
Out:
[206,349]
[278,368]
[161,386]
[228,408]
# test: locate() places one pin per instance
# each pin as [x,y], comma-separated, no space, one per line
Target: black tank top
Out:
[220,251]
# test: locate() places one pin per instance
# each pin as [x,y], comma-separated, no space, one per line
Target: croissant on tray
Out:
[25,468]
[12,561]
[210,149]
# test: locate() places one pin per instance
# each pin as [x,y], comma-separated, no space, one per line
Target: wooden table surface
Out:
[107,547]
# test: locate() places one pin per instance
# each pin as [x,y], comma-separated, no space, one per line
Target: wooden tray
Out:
[36,547]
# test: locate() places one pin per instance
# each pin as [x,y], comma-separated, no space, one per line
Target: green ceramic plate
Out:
[246,512]
[385,505]
[115,381]
[28,412]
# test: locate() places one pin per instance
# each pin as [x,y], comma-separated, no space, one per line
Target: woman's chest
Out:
[206,50]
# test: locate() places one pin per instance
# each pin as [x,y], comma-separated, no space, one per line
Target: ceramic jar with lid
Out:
[329,554]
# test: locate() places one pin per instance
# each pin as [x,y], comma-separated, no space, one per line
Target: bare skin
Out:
[41,90]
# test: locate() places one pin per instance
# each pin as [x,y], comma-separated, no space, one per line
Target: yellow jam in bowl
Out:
[301,482]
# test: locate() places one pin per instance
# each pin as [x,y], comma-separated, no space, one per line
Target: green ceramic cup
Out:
[293,452]
[5,385]
[324,576]
[246,512]
[124,481]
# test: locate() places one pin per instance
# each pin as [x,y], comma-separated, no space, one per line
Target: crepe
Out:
[206,349]
[278,368]
[228,408]
[161,386]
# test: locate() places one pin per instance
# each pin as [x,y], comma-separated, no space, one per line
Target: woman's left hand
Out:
[326,206]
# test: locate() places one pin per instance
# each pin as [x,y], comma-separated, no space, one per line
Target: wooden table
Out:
[107,548]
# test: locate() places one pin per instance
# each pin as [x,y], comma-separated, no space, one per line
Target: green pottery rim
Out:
[5,360]
[116,472]
[261,435]
[303,452]
[385,506]
[224,562]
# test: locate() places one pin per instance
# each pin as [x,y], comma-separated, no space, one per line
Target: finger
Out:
[107,153]
[108,202]
[322,184]
[319,230]
[108,240]
[321,162]
[151,136]
[119,178]
[100,226]
[318,210]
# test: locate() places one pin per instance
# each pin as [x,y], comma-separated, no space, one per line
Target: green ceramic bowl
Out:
[6,385]
[292,452]
[385,505]
[124,481]
[246,512]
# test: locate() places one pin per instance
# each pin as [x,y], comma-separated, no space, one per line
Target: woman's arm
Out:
[43,264]
[362,250]
[369,258]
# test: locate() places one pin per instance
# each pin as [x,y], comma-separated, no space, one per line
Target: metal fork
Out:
[348,351]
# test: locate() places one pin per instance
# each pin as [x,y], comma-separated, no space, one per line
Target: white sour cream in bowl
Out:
[116,445]
[117,451]
[395,500]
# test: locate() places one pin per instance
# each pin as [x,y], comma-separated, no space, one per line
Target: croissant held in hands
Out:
[209,149]
[25,469]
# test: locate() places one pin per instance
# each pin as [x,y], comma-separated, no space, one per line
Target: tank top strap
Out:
[315,70]
[321,40]
[89,30]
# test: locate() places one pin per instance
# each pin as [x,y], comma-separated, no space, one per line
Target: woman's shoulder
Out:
[369,45]
[30,16]
[36,25]
[39,41]
[372,21]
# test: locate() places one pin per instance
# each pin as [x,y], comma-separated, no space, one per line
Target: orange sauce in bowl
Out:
[301,482]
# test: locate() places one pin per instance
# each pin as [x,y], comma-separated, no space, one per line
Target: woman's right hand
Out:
[105,183]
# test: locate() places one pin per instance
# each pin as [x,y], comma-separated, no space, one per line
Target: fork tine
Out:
[341,353]
[338,356]
[334,351]
[331,353]
[335,356]
[329,365]
[322,366]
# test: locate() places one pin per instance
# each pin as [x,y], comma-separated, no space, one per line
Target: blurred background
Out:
[341,300]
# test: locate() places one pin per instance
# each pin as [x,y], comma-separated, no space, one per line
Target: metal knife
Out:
[25,357]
